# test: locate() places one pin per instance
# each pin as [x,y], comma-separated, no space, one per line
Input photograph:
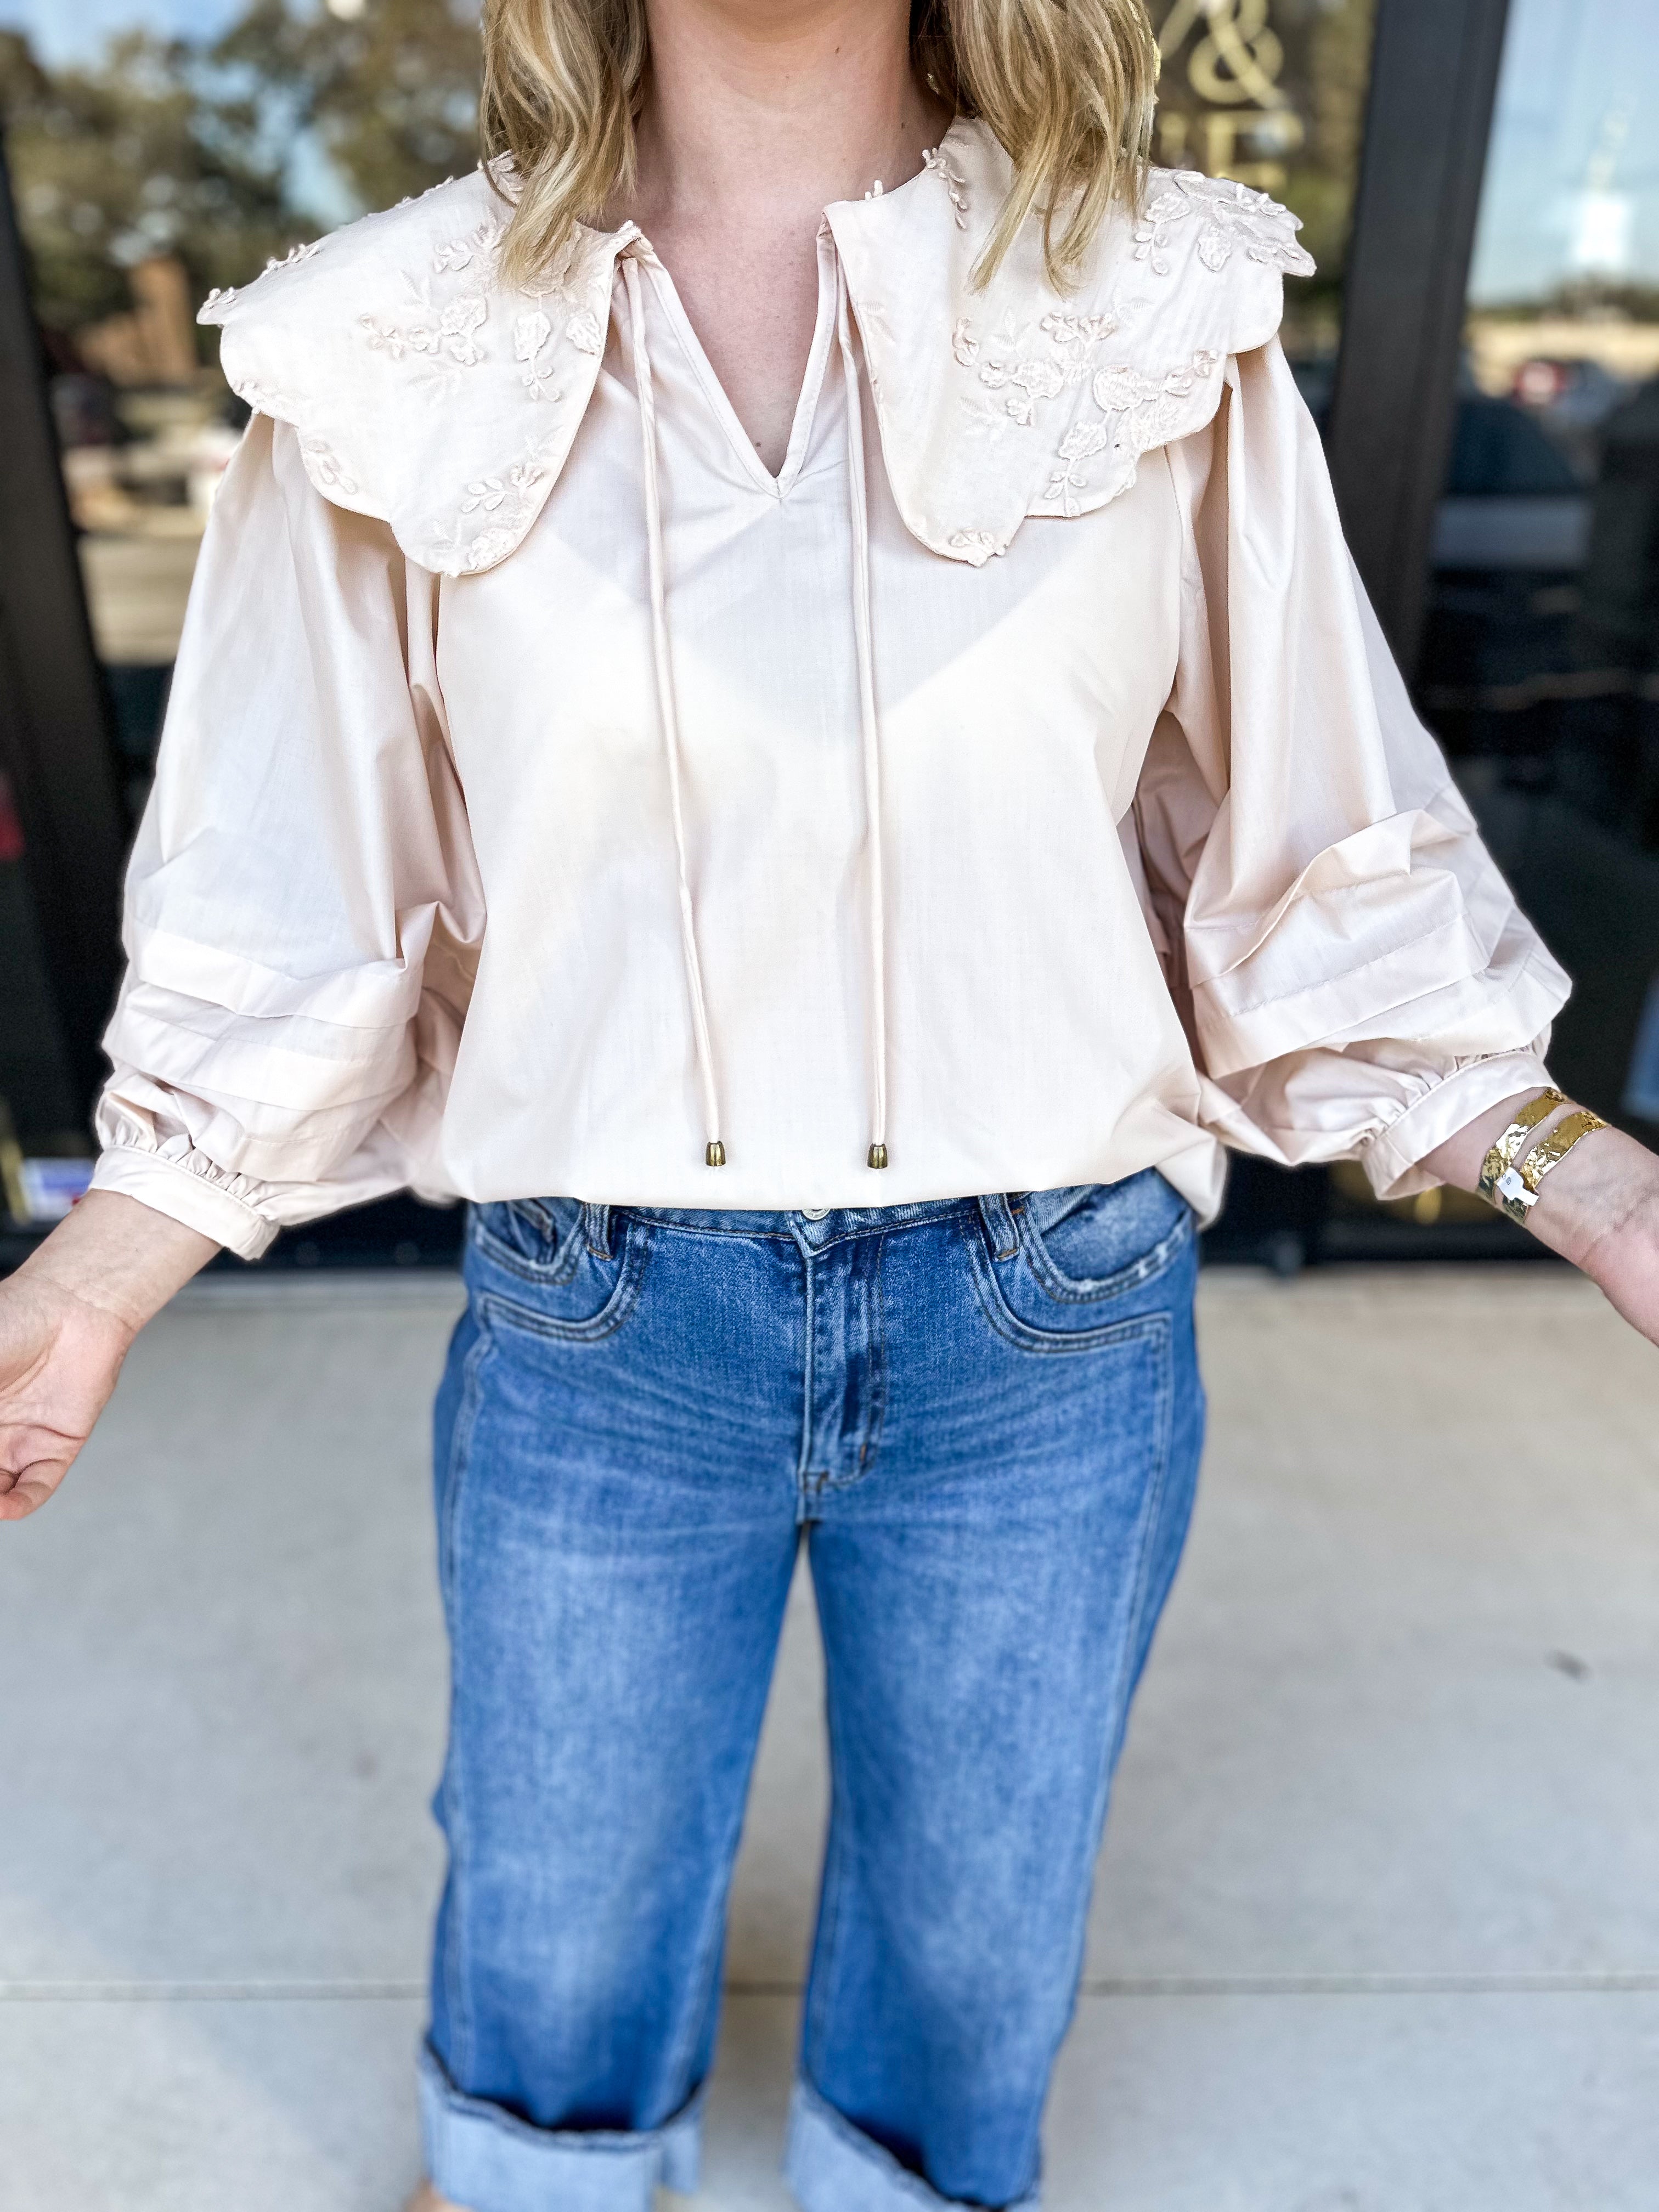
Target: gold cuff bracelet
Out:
[1512,1189]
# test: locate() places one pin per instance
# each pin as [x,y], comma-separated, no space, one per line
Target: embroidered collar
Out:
[427,393]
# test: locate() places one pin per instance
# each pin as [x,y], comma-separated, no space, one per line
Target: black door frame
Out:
[1428,125]
[1435,67]
[56,744]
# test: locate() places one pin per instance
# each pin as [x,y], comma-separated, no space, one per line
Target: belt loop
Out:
[596,1230]
[1001,1232]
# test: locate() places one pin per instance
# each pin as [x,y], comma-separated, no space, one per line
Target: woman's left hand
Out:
[1599,1208]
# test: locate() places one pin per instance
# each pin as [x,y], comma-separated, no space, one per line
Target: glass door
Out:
[1273,92]
[158,148]
[1541,672]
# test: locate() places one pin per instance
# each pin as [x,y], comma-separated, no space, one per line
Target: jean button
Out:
[815,1213]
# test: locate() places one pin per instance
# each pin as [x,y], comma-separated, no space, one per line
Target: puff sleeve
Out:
[303,911]
[1354,974]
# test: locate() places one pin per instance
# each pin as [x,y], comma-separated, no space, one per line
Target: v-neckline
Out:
[807,403]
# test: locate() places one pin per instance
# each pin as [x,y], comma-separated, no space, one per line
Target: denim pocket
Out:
[530,1266]
[1104,1239]
[1090,1265]
[540,1239]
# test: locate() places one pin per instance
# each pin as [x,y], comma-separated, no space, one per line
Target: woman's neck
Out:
[758,113]
[762,111]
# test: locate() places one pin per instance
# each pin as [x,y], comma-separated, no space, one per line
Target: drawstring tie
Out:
[667,712]
[869,724]
[869,721]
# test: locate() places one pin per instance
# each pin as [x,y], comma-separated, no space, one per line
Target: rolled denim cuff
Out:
[486,2158]
[832,2166]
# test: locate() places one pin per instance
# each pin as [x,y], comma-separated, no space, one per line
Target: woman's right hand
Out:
[59,1357]
[67,1319]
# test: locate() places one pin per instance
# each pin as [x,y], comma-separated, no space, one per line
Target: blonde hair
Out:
[1067,87]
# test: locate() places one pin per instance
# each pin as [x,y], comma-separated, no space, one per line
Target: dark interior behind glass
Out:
[160,168]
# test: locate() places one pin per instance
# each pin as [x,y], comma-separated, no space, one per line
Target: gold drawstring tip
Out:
[716,1155]
[877,1156]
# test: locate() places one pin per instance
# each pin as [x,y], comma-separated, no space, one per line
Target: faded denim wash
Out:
[984,1419]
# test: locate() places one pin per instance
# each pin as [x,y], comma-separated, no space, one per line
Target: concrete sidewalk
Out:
[1378,1925]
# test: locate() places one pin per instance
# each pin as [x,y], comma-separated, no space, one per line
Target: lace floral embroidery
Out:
[477,247]
[1140,412]
[325,467]
[954,183]
[1012,362]
[1228,216]
[293,257]
[531,334]
[976,546]
[447,338]
[265,399]
[495,512]
[1137,411]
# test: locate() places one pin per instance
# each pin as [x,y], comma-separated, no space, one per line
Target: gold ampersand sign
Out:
[1234,69]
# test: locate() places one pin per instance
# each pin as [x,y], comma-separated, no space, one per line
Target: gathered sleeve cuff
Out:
[175,1179]
[303,913]
[1353,973]
[1393,1159]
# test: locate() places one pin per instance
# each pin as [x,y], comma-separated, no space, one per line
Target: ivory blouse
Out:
[551,799]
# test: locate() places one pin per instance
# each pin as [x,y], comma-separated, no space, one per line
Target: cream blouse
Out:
[550,797]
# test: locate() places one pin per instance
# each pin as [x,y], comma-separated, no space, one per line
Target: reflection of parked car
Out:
[1620,623]
[143,461]
[1511,537]
[1571,399]
[1513,500]
[1571,391]
[83,411]
[206,460]
[1541,673]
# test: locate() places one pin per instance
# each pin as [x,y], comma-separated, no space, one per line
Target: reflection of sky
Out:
[68,30]
[1572,181]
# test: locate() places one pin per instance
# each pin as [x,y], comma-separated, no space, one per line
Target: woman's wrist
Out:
[118,1256]
[1603,1185]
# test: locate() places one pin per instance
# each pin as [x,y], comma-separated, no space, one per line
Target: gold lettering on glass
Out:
[1243,126]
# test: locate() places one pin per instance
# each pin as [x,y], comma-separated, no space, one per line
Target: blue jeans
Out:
[985,1417]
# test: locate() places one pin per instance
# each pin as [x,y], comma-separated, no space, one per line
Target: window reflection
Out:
[1273,92]
[150,166]
[158,148]
[1541,664]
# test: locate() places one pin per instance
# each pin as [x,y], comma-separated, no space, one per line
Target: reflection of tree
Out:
[111,164]
[163,148]
[390,96]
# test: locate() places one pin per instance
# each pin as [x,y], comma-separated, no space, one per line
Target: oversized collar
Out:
[431,395]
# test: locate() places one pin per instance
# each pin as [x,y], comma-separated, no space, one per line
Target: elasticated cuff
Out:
[1393,1159]
[170,1188]
[482,2156]
[832,2166]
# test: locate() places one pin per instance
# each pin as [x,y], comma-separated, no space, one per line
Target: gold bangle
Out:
[1549,1153]
[1500,1184]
